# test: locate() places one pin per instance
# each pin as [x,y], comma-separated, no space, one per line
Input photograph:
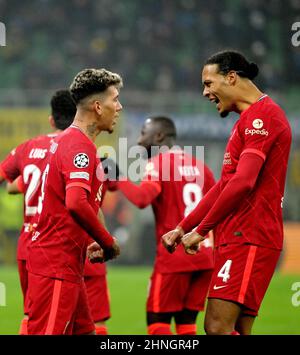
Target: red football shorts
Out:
[57,307]
[242,274]
[23,275]
[178,291]
[98,297]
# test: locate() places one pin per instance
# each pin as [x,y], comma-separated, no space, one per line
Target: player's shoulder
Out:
[74,138]
[269,108]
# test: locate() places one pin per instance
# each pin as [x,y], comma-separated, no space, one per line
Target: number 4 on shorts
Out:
[224,271]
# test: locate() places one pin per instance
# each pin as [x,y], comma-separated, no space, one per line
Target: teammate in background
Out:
[69,203]
[245,206]
[28,160]
[179,283]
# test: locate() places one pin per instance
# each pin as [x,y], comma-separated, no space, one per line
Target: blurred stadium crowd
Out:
[156,45]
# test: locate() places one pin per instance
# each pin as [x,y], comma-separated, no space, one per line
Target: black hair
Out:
[92,81]
[232,60]
[63,109]
[167,125]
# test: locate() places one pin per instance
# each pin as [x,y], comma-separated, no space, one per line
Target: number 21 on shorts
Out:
[224,272]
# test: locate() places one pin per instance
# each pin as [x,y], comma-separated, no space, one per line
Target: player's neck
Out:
[87,125]
[248,95]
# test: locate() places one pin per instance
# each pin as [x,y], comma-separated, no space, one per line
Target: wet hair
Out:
[63,109]
[167,125]
[92,81]
[232,60]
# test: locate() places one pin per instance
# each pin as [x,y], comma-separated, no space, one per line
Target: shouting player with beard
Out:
[245,206]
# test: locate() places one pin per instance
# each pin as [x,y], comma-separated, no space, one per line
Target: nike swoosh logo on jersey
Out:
[218,287]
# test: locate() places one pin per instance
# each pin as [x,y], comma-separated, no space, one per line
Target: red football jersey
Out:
[262,129]
[29,161]
[183,181]
[58,246]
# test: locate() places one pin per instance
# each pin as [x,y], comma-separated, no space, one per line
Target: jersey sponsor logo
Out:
[262,132]
[38,153]
[257,123]
[79,175]
[81,160]
[218,287]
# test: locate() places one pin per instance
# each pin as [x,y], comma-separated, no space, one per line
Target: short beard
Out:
[224,114]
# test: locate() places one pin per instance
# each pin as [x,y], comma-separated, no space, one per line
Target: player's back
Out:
[27,162]
[184,180]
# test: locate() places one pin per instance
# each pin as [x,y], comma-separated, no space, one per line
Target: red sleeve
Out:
[9,167]
[237,188]
[141,195]
[77,203]
[78,166]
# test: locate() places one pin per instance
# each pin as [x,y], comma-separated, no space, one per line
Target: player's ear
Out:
[231,77]
[51,121]
[97,107]
[160,136]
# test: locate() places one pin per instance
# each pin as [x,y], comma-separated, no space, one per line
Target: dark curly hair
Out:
[63,108]
[92,81]
[232,60]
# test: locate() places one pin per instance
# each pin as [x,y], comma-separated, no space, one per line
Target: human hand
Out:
[171,239]
[113,251]
[95,253]
[191,242]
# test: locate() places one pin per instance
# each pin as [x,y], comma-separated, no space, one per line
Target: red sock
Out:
[159,329]
[23,327]
[234,333]
[101,329]
[186,329]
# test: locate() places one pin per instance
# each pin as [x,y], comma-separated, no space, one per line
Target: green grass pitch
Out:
[128,290]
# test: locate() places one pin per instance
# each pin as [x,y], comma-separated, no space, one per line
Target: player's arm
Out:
[236,190]
[171,239]
[95,253]
[77,203]
[140,195]
[10,167]
[15,187]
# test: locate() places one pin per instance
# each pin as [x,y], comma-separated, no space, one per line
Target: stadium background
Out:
[158,47]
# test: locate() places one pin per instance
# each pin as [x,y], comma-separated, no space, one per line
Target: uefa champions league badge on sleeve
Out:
[81,160]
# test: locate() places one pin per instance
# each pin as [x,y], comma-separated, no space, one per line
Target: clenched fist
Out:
[191,242]
[171,239]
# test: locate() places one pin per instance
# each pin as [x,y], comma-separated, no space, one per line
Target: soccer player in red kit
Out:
[28,161]
[70,196]
[245,206]
[174,182]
